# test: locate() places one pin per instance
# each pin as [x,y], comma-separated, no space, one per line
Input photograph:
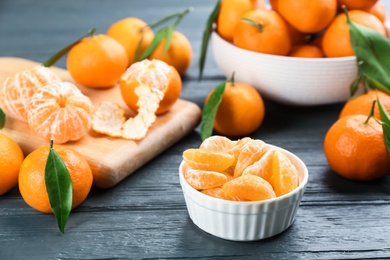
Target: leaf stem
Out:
[371,112]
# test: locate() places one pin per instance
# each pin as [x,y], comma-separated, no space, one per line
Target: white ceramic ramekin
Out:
[245,221]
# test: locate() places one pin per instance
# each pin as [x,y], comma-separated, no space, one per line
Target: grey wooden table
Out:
[144,217]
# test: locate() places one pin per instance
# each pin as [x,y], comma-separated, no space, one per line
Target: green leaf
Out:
[206,37]
[385,124]
[2,118]
[59,187]
[372,50]
[158,37]
[210,110]
[57,56]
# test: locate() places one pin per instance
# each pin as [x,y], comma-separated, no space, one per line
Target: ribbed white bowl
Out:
[288,80]
[245,221]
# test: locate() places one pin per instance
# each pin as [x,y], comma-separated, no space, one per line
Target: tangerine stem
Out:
[259,25]
[231,80]
[371,112]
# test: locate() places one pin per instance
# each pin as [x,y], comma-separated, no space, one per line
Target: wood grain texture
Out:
[144,216]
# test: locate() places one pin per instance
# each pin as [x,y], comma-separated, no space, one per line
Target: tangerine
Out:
[60,112]
[306,51]
[355,148]
[129,32]
[201,179]
[241,110]
[97,61]
[17,90]
[262,31]
[178,55]
[32,177]
[354,4]
[11,158]
[336,41]
[362,104]
[378,9]
[155,74]
[208,160]
[317,14]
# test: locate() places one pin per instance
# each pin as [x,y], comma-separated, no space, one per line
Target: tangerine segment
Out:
[250,153]
[218,143]
[60,112]
[263,167]
[200,179]
[218,193]
[208,160]
[284,174]
[17,90]
[157,75]
[249,187]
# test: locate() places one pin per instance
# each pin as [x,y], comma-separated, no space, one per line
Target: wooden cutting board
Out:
[111,159]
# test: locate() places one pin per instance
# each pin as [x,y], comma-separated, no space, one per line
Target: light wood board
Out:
[111,159]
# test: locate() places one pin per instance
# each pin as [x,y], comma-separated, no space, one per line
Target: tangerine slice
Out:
[284,174]
[249,187]
[263,167]
[17,90]
[251,152]
[60,112]
[200,179]
[218,193]
[203,159]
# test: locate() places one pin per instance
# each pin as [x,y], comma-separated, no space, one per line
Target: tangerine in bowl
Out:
[288,80]
[242,190]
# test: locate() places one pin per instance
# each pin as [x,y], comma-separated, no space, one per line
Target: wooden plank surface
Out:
[144,216]
[111,159]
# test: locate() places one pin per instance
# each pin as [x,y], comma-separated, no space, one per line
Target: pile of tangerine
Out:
[243,170]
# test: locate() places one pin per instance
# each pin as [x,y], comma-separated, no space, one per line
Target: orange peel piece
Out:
[109,117]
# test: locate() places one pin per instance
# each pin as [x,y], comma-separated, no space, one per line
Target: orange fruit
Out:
[17,90]
[60,112]
[336,41]
[378,9]
[356,149]
[155,74]
[241,110]
[274,5]
[11,158]
[178,55]
[362,104]
[129,32]
[306,51]
[306,15]
[218,144]
[356,4]
[32,177]
[230,13]
[249,187]
[266,33]
[208,160]
[97,61]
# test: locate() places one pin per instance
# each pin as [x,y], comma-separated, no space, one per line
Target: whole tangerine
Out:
[356,4]
[129,32]
[97,61]
[11,158]
[355,148]
[178,55]
[241,110]
[336,41]
[262,31]
[32,177]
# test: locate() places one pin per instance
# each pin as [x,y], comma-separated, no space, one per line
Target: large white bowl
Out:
[288,80]
[245,221]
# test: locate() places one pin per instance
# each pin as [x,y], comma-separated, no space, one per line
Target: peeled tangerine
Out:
[243,170]
[16,91]
[60,112]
